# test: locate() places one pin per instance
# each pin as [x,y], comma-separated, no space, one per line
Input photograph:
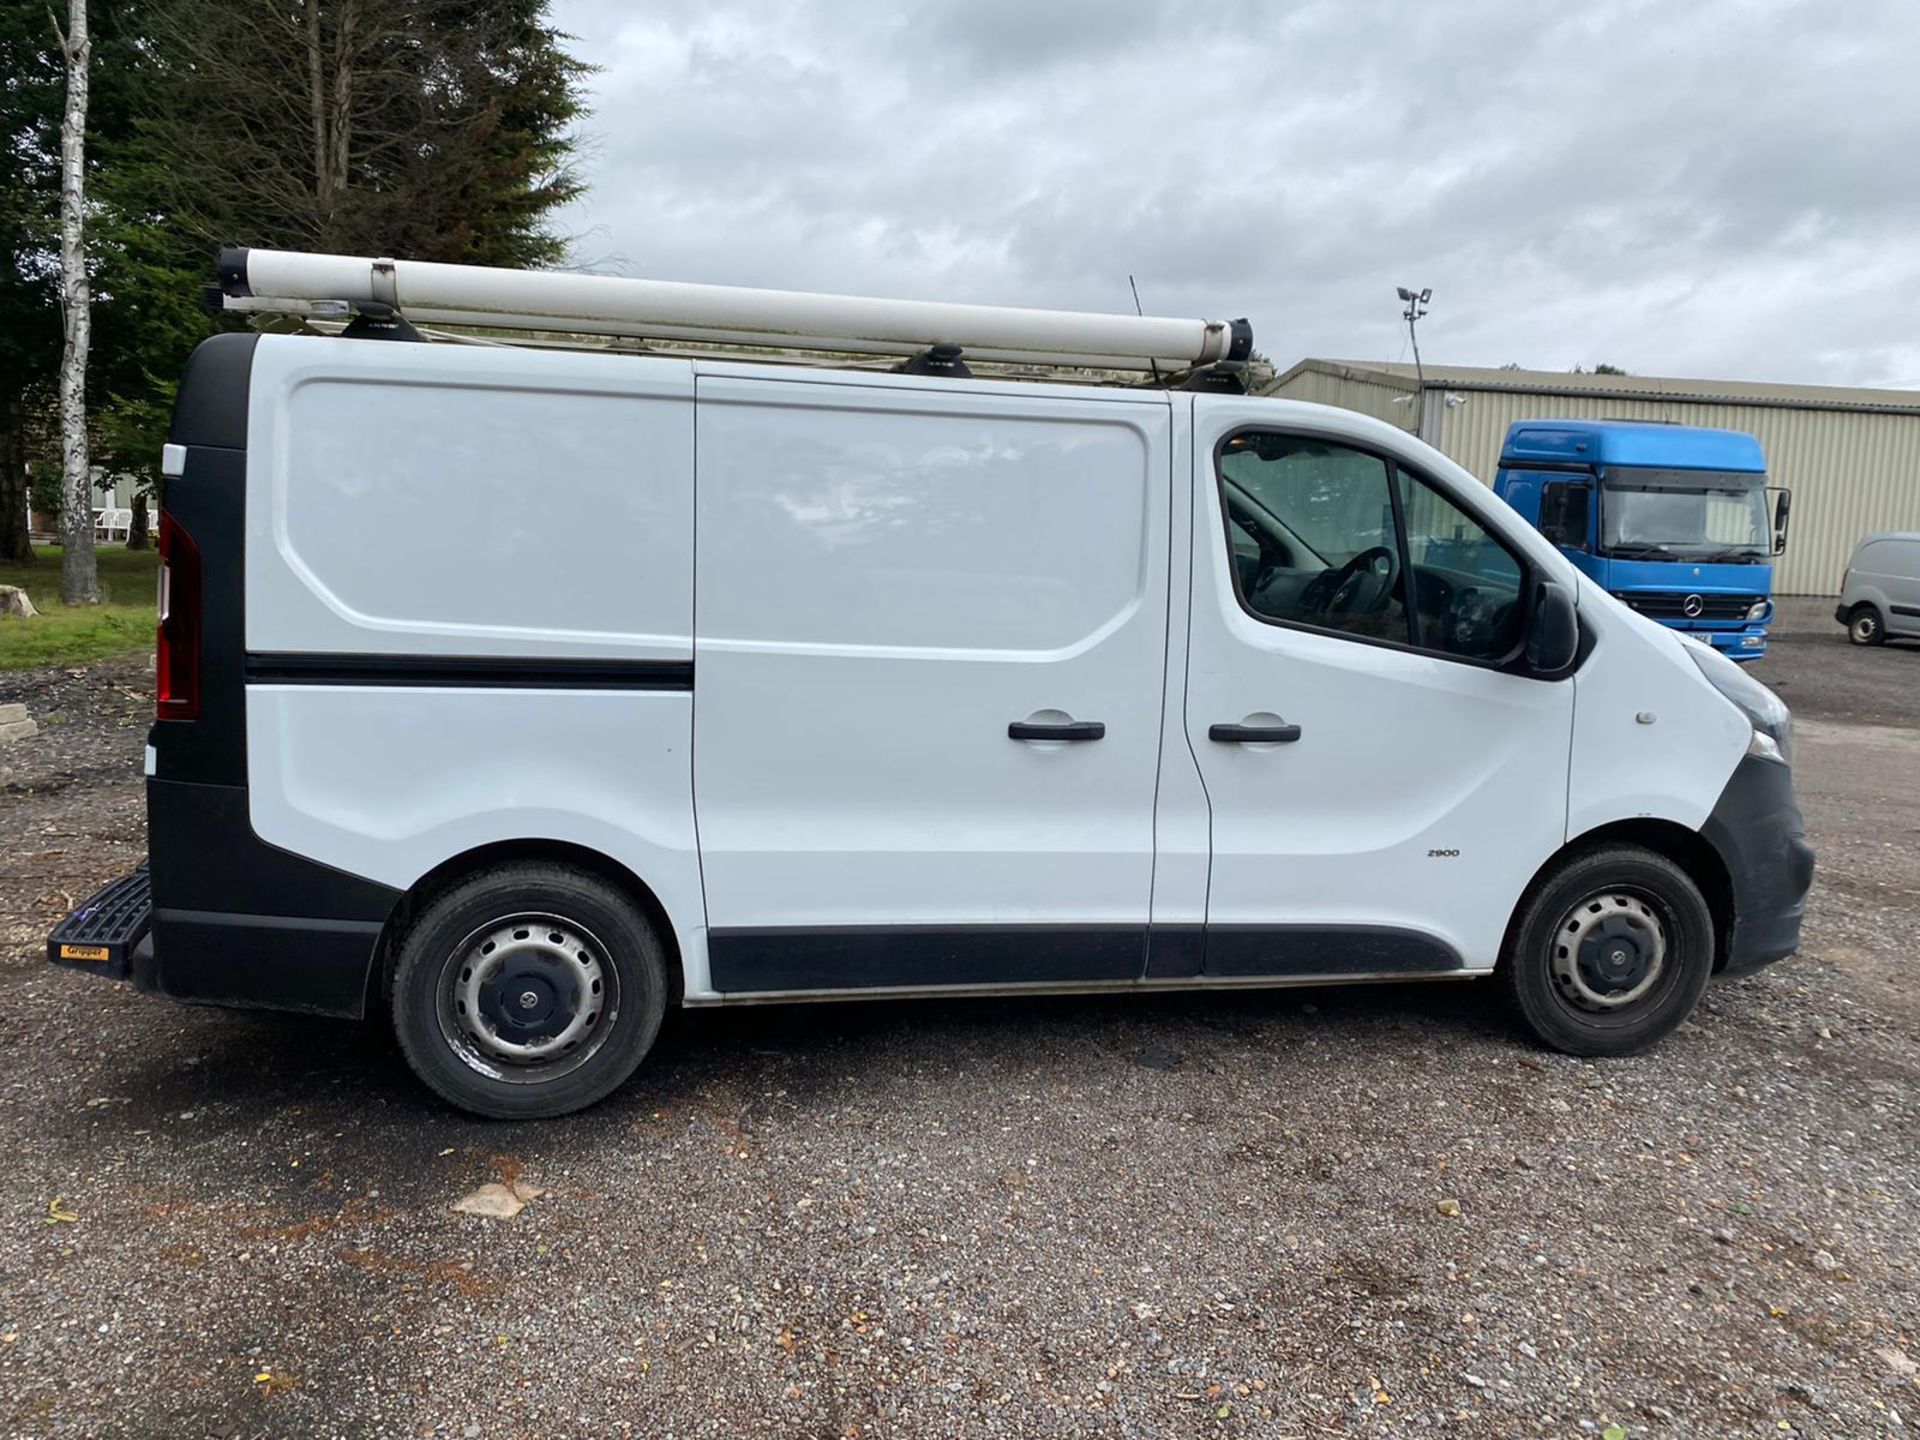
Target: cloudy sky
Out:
[1720,188]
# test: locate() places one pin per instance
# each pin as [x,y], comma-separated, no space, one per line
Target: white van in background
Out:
[1880,594]
[523,693]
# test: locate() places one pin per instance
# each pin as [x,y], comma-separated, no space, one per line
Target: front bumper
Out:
[1757,831]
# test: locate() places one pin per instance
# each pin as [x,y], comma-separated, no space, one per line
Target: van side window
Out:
[1312,533]
[1467,583]
[1324,535]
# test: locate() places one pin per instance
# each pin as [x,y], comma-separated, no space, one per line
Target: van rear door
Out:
[930,631]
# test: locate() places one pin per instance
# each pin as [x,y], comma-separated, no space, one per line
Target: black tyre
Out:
[1609,951]
[1865,625]
[526,991]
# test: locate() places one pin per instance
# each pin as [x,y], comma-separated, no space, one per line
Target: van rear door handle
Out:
[1254,734]
[1065,730]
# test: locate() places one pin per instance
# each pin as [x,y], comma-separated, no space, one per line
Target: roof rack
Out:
[396,296]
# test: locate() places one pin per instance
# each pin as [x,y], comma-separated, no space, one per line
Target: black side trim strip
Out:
[1175,952]
[1325,950]
[808,958]
[773,958]
[469,670]
[1905,609]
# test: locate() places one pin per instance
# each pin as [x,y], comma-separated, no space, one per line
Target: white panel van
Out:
[520,694]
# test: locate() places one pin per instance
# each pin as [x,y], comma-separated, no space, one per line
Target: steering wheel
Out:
[1478,621]
[1359,587]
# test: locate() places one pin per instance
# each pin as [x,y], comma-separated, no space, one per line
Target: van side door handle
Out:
[1254,734]
[1065,730]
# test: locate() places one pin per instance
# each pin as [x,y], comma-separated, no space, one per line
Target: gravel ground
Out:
[1217,1215]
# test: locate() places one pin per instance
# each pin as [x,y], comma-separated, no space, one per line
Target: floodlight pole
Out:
[1416,308]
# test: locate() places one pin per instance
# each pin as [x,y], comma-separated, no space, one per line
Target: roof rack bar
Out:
[607,304]
[558,325]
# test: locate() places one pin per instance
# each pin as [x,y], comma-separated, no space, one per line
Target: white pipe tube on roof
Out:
[406,284]
[329,310]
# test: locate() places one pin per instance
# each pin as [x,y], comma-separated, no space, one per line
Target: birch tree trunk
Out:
[79,577]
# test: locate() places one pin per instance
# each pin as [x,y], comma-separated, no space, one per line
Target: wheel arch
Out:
[481,857]
[1872,605]
[1687,848]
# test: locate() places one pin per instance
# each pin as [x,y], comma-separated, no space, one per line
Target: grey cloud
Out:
[1724,187]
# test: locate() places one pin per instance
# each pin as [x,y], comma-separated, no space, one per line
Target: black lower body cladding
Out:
[237,921]
[1757,830]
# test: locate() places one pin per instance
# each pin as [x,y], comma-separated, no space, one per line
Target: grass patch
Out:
[74,635]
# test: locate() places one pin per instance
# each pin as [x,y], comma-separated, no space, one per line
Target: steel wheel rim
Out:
[527,997]
[1609,952]
[1864,627]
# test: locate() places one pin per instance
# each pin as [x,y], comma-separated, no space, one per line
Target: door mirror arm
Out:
[1553,632]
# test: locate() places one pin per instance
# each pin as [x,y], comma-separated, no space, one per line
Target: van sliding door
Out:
[930,635]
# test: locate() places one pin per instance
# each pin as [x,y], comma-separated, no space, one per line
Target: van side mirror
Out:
[1782,507]
[1553,632]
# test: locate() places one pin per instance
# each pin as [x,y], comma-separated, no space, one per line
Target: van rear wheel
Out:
[528,991]
[1609,952]
[1864,626]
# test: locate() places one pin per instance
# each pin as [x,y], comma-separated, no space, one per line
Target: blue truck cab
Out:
[1672,519]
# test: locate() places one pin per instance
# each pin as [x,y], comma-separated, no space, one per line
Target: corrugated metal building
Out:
[1851,457]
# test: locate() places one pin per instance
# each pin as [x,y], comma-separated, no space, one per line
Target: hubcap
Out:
[527,997]
[1609,951]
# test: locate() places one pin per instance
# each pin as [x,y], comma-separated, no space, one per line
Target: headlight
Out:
[1772,721]
[1759,610]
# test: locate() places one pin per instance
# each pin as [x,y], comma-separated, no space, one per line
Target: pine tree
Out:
[427,129]
[31,99]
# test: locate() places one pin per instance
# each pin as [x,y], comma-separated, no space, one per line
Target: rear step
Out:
[100,935]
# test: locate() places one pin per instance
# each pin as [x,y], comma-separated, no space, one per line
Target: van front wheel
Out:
[527,991]
[1610,951]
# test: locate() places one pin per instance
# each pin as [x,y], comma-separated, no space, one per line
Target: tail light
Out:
[177,659]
